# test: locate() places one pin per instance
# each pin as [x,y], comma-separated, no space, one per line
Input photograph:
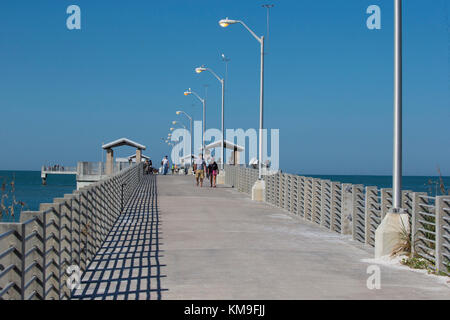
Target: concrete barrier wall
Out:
[36,252]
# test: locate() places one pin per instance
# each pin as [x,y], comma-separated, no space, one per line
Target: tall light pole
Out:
[222,81]
[396,221]
[226,60]
[268,7]
[397,165]
[225,23]
[203,101]
[190,120]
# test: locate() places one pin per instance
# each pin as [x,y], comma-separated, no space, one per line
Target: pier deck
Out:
[177,241]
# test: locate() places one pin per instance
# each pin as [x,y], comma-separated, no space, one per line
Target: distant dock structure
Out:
[46,170]
[90,172]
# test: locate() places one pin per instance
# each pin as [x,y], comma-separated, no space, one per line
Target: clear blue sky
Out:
[328,79]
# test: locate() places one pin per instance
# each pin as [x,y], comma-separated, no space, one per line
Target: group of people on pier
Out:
[55,167]
[202,169]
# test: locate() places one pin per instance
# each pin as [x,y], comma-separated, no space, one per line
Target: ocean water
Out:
[29,189]
[431,185]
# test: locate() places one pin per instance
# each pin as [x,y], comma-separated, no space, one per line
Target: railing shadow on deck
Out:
[127,266]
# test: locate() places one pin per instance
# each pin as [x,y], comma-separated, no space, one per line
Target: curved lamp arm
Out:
[215,75]
[251,31]
[181,111]
[202,100]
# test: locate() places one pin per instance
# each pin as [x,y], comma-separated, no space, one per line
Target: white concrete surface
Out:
[219,244]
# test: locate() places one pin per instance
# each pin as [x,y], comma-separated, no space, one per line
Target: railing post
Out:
[52,219]
[35,243]
[442,210]
[84,230]
[90,225]
[279,192]
[12,260]
[294,194]
[308,198]
[414,218]
[325,204]
[271,191]
[315,209]
[121,198]
[406,200]
[76,216]
[370,205]
[335,209]
[358,212]
[283,186]
[346,209]
[287,192]
[65,244]
[386,202]
[301,196]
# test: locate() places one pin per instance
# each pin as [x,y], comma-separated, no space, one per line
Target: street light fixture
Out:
[222,81]
[200,69]
[225,23]
[203,101]
[176,122]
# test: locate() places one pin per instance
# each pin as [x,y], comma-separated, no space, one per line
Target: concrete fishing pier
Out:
[136,236]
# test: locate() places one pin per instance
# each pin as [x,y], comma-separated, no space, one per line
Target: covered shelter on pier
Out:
[186,160]
[118,143]
[235,155]
[133,158]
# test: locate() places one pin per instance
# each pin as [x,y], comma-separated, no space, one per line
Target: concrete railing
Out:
[35,253]
[355,210]
[99,168]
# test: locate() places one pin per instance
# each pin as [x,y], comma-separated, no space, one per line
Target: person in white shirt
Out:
[200,167]
[165,165]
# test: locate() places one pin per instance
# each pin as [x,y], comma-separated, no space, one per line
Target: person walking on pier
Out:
[207,162]
[146,167]
[200,168]
[165,165]
[213,170]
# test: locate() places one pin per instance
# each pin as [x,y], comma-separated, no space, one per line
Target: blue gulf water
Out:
[430,185]
[29,189]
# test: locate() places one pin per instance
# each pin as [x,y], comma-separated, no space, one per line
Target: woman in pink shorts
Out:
[213,172]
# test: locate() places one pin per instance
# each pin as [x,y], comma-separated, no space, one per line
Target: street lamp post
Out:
[225,23]
[190,120]
[222,81]
[397,165]
[396,221]
[203,101]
